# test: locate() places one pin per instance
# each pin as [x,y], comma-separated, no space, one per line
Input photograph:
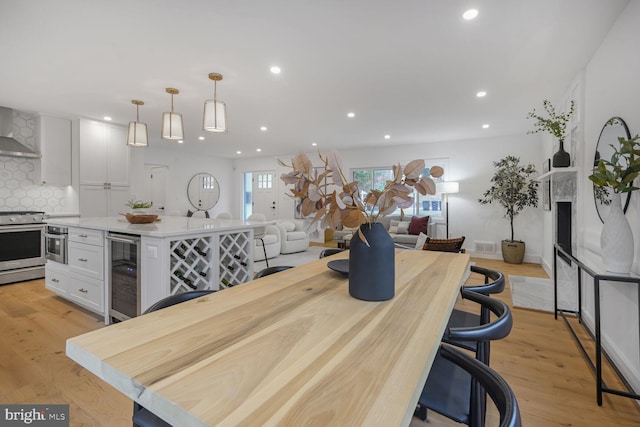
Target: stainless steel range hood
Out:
[8,145]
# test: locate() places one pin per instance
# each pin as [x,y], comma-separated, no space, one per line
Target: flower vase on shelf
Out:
[561,158]
[372,268]
[616,239]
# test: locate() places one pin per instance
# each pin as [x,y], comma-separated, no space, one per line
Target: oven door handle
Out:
[56,236]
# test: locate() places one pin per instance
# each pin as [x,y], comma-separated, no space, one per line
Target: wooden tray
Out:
[140,219]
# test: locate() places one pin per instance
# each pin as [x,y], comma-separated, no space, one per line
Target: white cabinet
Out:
[82,280]
[87,260]
[56,277]
[104,168]
[86,268]
[87,292]
[53,139]
[104,154]
[100,201]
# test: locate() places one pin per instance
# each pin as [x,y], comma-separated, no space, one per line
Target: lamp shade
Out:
[215,116]
[448,187]
[172,128]
[138,135]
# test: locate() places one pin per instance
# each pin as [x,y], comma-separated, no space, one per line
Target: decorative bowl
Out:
[141,218]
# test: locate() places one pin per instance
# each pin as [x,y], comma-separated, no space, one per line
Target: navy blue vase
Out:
[372,268]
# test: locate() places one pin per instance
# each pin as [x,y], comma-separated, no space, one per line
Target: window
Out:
[208,182]
[376,178]
[265,180]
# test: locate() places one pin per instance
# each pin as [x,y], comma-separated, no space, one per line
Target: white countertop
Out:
[167,226]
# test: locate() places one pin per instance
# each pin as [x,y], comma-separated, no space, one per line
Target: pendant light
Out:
[137,135]
[172,128]
[214,118]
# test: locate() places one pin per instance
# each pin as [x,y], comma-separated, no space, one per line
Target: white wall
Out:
[470,163]
[182,166]
[612,86]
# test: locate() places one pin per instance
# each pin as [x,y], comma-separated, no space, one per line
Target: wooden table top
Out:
[289,349]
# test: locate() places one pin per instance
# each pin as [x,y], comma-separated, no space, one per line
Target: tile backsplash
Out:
[18,188]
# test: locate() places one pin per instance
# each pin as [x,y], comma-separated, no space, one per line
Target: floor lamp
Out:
[446,188]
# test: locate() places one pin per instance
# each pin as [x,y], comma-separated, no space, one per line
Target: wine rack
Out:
[191,264]
[236,264]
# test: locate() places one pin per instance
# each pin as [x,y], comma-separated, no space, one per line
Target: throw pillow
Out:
[288,226]
[422,238]
[393,226]
[403,227]
[418,225]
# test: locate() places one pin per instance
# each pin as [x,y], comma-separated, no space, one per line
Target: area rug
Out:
[537,293]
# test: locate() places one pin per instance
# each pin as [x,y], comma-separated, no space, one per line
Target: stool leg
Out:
[265,253]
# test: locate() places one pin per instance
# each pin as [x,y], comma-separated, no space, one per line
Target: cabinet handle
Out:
[82,259]
[84,236]
[55,280]
[83,290]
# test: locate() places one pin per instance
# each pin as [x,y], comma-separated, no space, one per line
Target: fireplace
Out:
[563,227]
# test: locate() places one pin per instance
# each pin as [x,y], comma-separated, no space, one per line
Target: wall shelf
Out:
[557,173]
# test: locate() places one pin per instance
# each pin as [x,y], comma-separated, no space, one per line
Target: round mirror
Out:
[614,128]
[203,191]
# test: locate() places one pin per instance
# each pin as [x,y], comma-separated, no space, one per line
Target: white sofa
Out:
[402,238]
[293,236]
[271,244]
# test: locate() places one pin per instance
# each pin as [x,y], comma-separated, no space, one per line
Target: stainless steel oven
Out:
[21,246]
[55,243]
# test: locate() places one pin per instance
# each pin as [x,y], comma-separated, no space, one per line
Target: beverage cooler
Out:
[124,267]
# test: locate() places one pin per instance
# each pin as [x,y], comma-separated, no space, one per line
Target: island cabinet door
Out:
[87,292]
[87,260]
[57,277]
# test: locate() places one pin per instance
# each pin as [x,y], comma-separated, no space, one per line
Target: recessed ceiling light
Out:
[387,137]
[485,126]
[180,141]
[275,69]
[481,94]
[258,149]
[263,128]
[470,14]
[314,144]
[351,115]
[201,138]
[238,152]
[107,118]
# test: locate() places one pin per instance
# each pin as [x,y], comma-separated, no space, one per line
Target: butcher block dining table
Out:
[289,349]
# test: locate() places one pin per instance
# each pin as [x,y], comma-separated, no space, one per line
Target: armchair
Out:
[293,236]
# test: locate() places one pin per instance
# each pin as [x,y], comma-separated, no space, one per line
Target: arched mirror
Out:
[203,191]
[614,128]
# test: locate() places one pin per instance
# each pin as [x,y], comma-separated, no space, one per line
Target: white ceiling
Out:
[407,68]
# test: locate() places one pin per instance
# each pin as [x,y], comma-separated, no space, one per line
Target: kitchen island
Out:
[174,255]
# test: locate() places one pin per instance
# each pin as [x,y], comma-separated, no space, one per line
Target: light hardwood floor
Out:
[539,359]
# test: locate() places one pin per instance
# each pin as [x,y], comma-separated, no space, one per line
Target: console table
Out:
[598,274]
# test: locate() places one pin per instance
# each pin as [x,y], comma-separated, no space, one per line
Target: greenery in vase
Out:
[555,123]
[512,188]
[138,204]
[619,172]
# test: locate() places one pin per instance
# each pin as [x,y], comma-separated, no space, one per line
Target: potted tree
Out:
[514,190]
